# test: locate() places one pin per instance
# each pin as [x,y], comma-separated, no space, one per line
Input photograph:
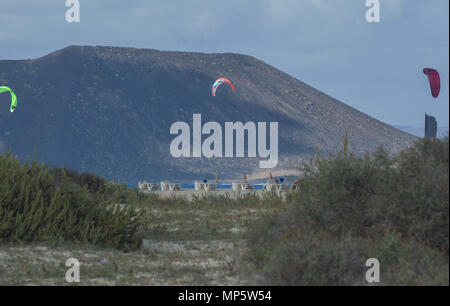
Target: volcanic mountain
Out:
[109,110]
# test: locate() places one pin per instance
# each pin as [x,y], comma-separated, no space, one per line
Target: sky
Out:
[328,44]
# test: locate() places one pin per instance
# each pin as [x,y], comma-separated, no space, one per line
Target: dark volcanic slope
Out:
[108,110]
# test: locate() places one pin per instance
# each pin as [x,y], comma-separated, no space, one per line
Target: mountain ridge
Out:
[108,110]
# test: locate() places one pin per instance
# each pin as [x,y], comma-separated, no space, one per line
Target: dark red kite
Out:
[435,81]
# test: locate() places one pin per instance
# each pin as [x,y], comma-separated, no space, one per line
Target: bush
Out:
[353,208]
[38,203]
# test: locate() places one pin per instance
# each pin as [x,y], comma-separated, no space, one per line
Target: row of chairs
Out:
[204,186]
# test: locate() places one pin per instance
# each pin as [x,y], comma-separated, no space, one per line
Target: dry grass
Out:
[193,243]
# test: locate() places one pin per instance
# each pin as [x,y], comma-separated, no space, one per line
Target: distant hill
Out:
[419,131]
[108,110]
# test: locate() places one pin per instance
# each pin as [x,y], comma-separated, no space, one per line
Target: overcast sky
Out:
[374,67]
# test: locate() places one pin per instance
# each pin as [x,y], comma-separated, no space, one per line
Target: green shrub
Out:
[350,208]
[38,203]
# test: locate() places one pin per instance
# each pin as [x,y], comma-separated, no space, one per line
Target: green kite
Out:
[13,97]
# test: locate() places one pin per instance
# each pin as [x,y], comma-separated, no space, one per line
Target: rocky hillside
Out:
[108,110]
